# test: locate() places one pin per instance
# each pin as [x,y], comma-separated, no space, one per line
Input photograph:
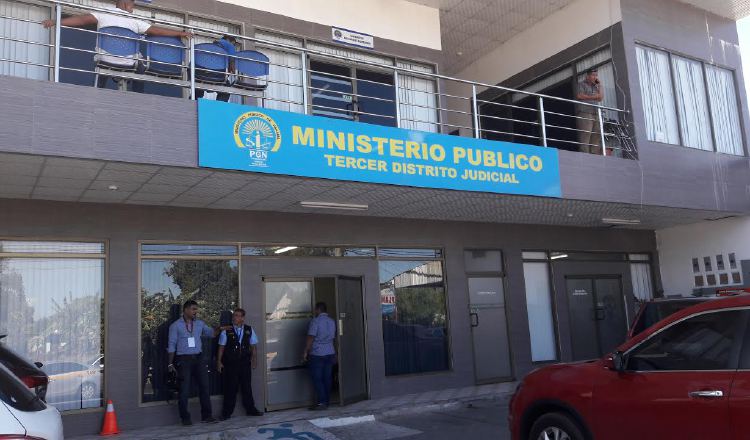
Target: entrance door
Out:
[291,288]
[489,329]
[597,315]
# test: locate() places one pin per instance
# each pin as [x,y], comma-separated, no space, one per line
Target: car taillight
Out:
[34,381]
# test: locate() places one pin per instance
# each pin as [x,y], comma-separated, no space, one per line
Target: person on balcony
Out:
[123,17]
[587,121]
[228,43]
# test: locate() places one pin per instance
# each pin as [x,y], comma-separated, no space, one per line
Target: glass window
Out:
[477,260]
[16,394]
[720,262]
[732,261]
[736,278]
[696,266]
[699,282]
[528,255]
[50,247]
[711,279]
[640,273]
[415,328]
[657,95]
[188,249]
[540,312]
[165,286]
[703,342]
[51,310]
[28,57]
[294,251]
[707,264]
[692,105]
[724,112]
[639,257]
[724,278]
[409,253]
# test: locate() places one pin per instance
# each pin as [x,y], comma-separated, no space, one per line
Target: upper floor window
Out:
[688,102]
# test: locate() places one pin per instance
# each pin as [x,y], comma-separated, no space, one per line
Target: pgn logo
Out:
[258,154]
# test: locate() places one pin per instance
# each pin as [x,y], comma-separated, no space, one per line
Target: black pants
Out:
[238,375]
[191,370]
[220,96]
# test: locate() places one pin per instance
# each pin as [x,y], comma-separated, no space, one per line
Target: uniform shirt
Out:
[226,45]
[179,334]
[239,330]
[587,89]
[134,24]
[323,329]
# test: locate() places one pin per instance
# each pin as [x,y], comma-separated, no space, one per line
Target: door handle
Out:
[600,314]
[341,327]
[708,394]
[474,319]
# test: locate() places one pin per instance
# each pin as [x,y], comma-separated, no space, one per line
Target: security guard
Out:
[237,359]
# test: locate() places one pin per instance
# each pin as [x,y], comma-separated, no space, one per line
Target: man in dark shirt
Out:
[228,43]
[587,119]
[237,359]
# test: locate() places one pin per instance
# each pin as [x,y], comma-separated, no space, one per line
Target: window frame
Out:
[704,64]
[104,257]
[742,341]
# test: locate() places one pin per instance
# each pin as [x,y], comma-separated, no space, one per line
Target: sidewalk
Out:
[247,427]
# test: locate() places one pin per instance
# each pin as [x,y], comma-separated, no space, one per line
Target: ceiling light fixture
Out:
[332,205]
[558,256]
[621,221]
[285,249]
[113,187]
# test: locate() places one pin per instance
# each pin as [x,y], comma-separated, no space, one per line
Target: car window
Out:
[704,342]
[14,393]
[656,311]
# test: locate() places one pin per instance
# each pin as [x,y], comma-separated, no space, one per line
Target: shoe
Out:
[209,420]
[255,413]
[187,422]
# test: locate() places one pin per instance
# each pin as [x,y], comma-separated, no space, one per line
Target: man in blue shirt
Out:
[184,348]
[321,354]
[228,43]
[237,359]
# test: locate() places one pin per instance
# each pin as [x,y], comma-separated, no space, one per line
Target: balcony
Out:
[283,74]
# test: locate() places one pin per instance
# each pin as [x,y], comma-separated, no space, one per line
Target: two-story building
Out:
[424,167]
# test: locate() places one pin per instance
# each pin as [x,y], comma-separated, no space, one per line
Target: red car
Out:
[687,377]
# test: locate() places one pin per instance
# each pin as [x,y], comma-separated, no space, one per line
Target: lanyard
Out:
[189,328]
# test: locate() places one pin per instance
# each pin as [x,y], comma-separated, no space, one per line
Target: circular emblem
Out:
[257,131]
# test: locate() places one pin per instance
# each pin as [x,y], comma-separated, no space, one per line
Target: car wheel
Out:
[88,391]
[555,426]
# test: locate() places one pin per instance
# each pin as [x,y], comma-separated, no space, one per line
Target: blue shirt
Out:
[323,329]
[179,334]
[226,45]
[239,330]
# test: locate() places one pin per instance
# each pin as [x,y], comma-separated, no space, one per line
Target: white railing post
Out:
[192,68]
[305,89]
[58,17]
[542,121]
[475,110]
[601,130]
[396,86]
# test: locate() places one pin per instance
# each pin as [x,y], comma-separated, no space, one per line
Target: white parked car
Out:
[23,415]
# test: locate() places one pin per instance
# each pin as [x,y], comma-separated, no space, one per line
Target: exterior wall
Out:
[696,175]
[392,19]
[679,245]
[122,227]
[392,25]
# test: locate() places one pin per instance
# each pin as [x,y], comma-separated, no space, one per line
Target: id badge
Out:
[191,342]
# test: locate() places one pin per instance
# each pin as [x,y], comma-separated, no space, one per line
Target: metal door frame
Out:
[303,269]
[594,297]
[361,280]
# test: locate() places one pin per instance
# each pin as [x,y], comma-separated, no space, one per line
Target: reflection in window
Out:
[51,310]
[165,286]
[415,329]
[703,342]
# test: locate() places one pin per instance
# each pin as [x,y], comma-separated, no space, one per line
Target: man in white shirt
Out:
[122,17]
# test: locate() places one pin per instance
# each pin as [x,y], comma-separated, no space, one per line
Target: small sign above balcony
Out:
[352,38]
[238,137]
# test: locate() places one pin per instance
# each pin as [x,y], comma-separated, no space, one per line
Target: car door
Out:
[739,399]
[676,383]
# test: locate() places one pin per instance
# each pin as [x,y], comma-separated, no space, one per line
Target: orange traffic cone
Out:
[110,421]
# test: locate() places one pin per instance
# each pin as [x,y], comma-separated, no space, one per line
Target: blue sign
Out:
[237,137]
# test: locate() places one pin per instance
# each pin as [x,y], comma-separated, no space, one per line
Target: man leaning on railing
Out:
[587,122]
[104,19]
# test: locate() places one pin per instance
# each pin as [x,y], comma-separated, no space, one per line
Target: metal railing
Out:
[401,97]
